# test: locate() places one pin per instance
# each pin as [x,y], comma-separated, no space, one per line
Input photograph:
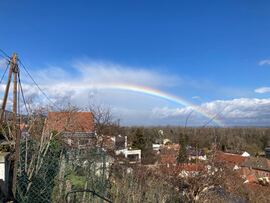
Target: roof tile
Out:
[69,122]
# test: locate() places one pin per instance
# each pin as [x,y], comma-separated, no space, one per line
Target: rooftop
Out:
[257,163]
[230,158]
[69,122]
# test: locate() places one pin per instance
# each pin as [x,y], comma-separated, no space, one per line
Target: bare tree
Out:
[102,117]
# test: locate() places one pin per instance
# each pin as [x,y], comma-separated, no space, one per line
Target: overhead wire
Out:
[4,73]
[30,76]
[5,54]
[215,116]
[21,89]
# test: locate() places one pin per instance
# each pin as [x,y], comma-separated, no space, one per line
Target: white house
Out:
[133,155]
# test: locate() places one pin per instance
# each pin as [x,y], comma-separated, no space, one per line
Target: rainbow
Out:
[156,93]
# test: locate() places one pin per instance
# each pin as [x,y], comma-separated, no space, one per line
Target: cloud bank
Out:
[68,85]
[242,111]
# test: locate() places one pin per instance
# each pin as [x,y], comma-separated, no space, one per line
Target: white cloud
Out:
[70,85]
[262,90]
[100,72]
[242,108]
[242,111]
[264,62]
[165,112]
[54,74]
[78,82]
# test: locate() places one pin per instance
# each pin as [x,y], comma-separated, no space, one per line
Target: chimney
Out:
[125,142]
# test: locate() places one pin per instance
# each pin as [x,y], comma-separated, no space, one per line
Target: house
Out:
[182,170]
[187,170]
[106,142]
[121,147]
[156,147]
[252,169]
[256,167]
[196,154]
[133,155]
[168,154]
[233,160]
[170,148]
[75,128]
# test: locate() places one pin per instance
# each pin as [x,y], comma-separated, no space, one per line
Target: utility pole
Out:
[14,112]
[11,64]
[13,70]
[16,132]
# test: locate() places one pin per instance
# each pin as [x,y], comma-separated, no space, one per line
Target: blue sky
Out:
[215,54]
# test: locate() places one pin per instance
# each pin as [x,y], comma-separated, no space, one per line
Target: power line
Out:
[20,86]
[46,96]
[4,74]
[2,56]
[214,117]
[5,54]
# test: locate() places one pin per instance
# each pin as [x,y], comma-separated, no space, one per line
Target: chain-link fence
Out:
[53,172]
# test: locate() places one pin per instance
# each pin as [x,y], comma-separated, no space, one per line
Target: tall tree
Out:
[182,155]
[139,141]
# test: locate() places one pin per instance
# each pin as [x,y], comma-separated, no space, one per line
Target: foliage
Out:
[252,140]
[141,185]
[77,181]
[32,179]
[182,155]
[139,141]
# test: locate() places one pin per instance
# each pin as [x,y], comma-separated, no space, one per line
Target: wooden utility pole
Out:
[15,73]
[11,64]
[13,70]
[16,132]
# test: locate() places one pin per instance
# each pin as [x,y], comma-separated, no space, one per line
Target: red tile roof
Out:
[257,163]
[167,159]
[190,167]
[69,122]
[230,158]
[169,153]
[174,170]
[170,148]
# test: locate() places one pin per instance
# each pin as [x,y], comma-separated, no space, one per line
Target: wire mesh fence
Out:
[52,172]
